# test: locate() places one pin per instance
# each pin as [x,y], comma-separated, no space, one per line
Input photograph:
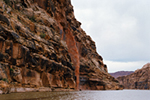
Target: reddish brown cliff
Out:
[43,47]
[140,79]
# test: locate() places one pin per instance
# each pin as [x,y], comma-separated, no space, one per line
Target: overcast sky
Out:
[120,28]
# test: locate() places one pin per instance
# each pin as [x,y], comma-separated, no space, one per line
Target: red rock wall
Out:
[67,36]
[42,44]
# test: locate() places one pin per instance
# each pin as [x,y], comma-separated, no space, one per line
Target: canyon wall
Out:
[43,48]
[140,79]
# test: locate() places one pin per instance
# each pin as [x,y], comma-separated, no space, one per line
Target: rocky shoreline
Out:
[40,89]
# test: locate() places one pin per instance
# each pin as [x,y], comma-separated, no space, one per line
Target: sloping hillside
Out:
[140,79]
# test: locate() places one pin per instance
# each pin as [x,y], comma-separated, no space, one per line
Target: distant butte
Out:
[121,73]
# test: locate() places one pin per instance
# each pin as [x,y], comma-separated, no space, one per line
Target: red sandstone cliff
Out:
[43,47]
[140,79]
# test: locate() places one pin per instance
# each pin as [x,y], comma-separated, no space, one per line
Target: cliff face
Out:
[43,45]
[140,79]
[121,73]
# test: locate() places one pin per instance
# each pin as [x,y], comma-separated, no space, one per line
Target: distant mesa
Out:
[121,73]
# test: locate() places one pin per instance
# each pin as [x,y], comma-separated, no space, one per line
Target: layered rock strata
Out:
[43,45]
[140,79]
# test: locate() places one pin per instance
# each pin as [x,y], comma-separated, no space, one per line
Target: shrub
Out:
[88,75]
[32,19]
[11,69]
[68,87]
[5,79]
[42,35]
[7,1]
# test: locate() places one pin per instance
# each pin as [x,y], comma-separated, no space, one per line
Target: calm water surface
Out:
[81,95]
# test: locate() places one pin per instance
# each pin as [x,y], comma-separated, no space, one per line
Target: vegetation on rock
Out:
[32,19]
[42,35]
[5,79]
[7,1]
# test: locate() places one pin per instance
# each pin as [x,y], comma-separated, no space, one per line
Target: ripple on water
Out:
[80,95]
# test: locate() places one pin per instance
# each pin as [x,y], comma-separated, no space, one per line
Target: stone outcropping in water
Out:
[43,48]
[140,79]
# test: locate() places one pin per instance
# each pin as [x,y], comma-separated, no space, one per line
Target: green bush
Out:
[11,69]
[42,35]
[7,1]
[5,79]
[88,75]
[32,19]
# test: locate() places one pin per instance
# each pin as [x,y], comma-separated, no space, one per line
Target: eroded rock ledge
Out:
[43,45]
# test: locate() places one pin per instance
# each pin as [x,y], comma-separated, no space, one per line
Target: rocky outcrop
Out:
[140,79]
[121,73]
[43,45]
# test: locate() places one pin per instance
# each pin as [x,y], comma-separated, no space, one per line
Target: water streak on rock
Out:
[71,43]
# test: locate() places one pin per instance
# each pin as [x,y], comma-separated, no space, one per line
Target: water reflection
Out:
[80,95]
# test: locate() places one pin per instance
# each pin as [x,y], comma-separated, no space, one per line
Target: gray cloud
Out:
[120,28]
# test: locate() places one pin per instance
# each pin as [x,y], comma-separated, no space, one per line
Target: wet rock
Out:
[44,89]
[20,90]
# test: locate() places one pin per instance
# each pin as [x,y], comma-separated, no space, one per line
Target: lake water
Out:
[81,95]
